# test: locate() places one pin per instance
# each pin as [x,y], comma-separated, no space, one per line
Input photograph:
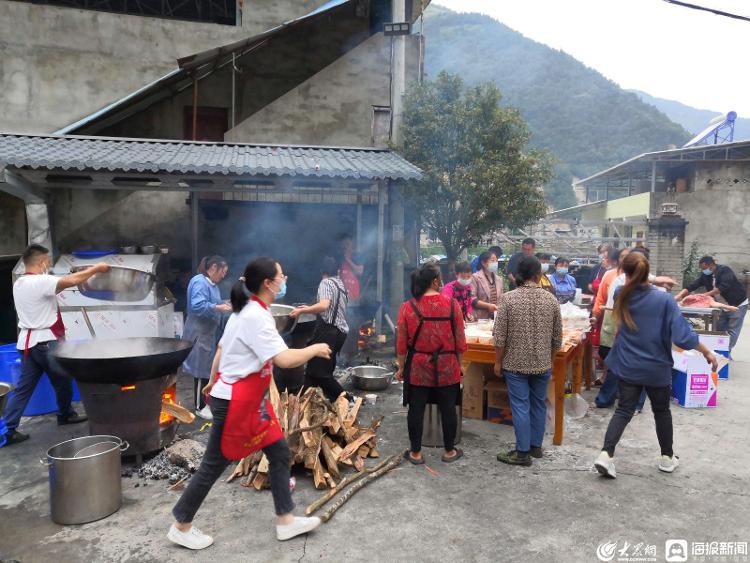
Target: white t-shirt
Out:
[35,297]
[250,339]
[619,281]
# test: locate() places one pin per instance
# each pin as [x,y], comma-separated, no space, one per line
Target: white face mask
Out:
[545,268]
[492,266]
[464,281]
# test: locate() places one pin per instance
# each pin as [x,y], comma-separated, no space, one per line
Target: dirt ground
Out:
[474,510]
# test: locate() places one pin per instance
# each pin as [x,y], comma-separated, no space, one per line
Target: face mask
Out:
[707,272]
[463,281]
[492,267]
[562,271]
[545,268]
[282,291]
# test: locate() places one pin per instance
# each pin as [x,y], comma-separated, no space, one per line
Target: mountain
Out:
[692,119]
[586,120]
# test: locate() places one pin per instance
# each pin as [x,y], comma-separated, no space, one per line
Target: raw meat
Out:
[703,301]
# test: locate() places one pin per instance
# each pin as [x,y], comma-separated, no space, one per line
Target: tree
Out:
[479,174]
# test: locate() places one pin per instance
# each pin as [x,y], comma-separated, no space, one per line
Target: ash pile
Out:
[179,461]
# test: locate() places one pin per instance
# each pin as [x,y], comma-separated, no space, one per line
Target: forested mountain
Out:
[586,120]
[692,119]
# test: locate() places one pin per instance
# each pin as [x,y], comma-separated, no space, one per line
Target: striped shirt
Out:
[330,288]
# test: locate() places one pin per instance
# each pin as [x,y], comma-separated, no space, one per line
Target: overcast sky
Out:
[668,51]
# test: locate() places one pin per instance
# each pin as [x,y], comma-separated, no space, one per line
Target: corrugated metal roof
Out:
[187,157]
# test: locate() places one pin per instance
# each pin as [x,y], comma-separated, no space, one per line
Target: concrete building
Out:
[670,200]
[328,76]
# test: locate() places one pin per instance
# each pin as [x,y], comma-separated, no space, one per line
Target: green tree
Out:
[479,174]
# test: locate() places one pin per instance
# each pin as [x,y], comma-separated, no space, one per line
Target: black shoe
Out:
[15,437]
[71,419]
[536,452]
[514,458]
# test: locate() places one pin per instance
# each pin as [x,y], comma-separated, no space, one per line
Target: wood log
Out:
[374,452]
[274,397]
[358,463]
[351,416]
[354,445]
[263,465]
[343,484]
[319,479]
[178,411]
[389,464]
[363,451]
[259,483]
[326,448]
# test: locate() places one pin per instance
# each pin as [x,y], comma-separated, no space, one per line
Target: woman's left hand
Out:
[207,389]
[400,374]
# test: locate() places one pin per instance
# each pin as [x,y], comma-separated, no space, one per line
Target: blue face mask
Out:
[562,271]
[707,272]
[282,291]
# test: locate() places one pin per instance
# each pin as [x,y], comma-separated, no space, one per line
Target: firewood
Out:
[307,428]
[341,486]
[341,406]
[329,457]
[259,482]
[274,397]
[358,463]
[353,446]
[374,453]
[390,463]
[319,480]
[363,451]
[351,416]
[329,481]
[263,465]
[178,411]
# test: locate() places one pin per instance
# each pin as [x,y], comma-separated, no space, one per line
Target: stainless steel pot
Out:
[148,249]
[118,284]
[84,478]
[371,378]
[5,389]
[284,323]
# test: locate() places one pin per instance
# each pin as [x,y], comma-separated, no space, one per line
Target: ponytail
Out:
[636,268]
[256,272]
[422,278]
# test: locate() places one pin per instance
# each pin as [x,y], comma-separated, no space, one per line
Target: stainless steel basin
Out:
[371,378]
[5,389]
[284,323]
[118,284]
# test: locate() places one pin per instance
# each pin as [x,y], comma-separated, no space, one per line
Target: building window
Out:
[223,12]
[381,126]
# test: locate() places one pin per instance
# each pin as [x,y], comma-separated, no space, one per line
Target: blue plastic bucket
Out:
[43,399]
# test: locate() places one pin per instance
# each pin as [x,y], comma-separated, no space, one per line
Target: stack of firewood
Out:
[326,437]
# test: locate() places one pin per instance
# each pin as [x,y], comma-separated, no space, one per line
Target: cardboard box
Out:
[473,396]
[719,343]
[497,394]
[693,384]
[498,415]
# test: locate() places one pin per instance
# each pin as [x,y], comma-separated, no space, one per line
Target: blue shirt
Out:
[475,266]
[644,357]
[565,288]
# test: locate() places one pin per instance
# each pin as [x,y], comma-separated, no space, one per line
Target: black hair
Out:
[707,260]
[484,256]
[561,260]
[422,278]
[202,265]
[329,266]
[256,272]
[642,250]
[528,268]
[463,268]
[614,256]
[543,256]
[603,246]
[530,241]
[211,261]
[496,250]
[32,252]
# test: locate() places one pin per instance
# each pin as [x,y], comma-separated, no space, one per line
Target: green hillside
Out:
[587,121]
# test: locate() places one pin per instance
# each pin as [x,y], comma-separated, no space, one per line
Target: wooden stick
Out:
[390,463]
[348,481]
[178,411]
[307,428]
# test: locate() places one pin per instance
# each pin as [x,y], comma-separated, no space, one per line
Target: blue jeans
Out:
[608,393]
[527,395]
[39,361]
[732,322]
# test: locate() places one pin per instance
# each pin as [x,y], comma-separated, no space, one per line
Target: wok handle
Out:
[44,462]
[124,446]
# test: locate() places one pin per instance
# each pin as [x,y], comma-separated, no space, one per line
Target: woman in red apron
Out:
[244,420]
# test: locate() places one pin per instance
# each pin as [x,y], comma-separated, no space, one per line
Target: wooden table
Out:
[578,357]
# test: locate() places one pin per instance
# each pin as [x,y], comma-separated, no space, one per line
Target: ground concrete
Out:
[474,510]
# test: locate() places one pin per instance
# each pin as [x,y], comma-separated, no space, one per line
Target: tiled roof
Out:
[184,157]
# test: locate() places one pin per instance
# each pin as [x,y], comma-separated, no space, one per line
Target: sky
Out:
[665,50]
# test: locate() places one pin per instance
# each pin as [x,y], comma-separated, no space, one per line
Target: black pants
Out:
[319,371]
[446,399]
[628,399]
[200,399]
[214,463]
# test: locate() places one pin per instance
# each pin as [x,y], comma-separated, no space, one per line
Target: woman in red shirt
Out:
[430,343]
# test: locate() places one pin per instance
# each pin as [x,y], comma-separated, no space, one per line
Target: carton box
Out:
[693,383]
[719,343]
[473,395]
[498,402]
[498,415]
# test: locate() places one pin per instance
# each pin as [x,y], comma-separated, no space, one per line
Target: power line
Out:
[706,9]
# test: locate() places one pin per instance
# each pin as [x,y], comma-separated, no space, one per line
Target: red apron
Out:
[57,329]
[251,423]
[351,283]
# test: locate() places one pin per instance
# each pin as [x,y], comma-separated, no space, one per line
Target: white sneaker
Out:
[205,413]
[605,465]
[192,539]
[668,464]
[300,525]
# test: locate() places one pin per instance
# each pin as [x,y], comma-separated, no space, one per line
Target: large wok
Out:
[122,361]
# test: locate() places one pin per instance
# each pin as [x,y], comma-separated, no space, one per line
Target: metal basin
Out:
[284,323]
[123,360]
[5,389]
[371,378]
[118,284]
